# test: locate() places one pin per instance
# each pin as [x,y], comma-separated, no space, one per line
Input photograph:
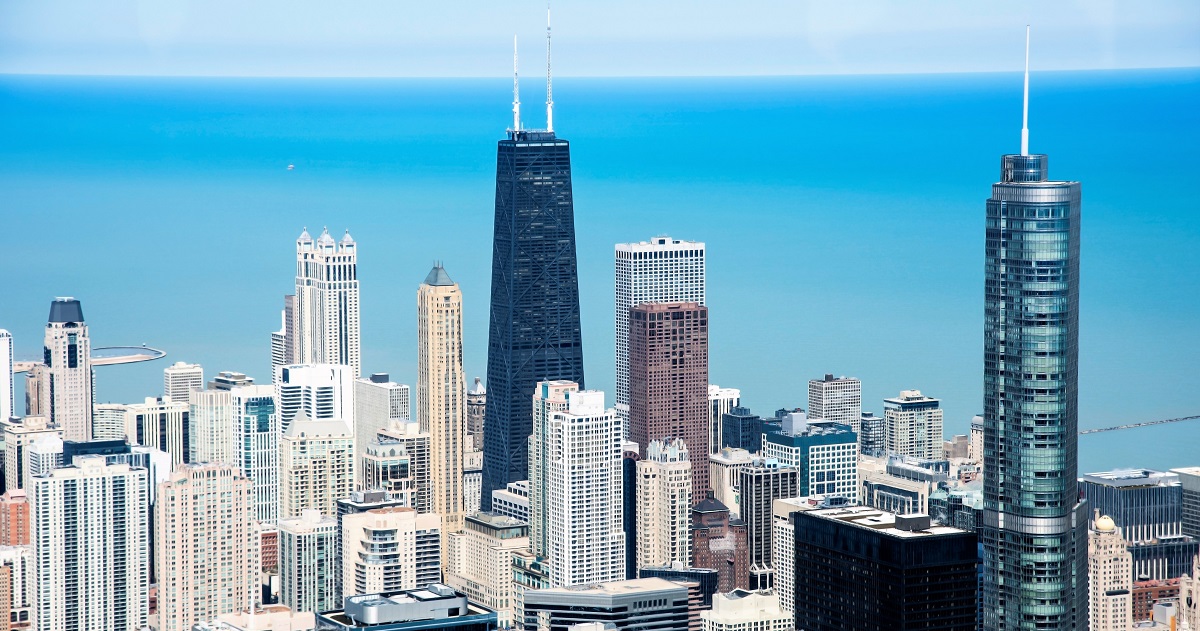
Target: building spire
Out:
[549,76]
[1025,111]
[516,90]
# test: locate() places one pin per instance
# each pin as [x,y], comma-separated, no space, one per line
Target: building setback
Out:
[860,568]
[668,379]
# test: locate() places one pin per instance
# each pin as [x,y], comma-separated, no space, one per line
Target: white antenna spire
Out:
[549,77]
[516,91]
[1025,113]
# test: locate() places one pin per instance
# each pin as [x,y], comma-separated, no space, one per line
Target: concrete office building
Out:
[206,545]
[108,421]
[719,543]
[721,401]
[823,452]
[1110,569]
[513,501]
[837,399]
[914,425]
[378,403]
[741,610]
[434,606]
[441,393]
[67,393]
[326,302]
[663,506]
[723,475]
[861,568]
[386,550]
[481,558]
[162,425]
[763,482]
[645,604]
[180,378]
[322,391]
[19,434]
[587,541]
[308,562]
[668,379]
[316,466]
[91,549]
[659,270]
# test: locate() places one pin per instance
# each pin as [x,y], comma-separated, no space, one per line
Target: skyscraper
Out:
[323,391]
[663,507]
[181,378]
[1034,529]
[549,398]
[378,402]
[534,333]
[836,399]
[316,466]
[659,270]
[206,545]
[210,416]
[722,401]
[668,379]
[1110,581]
[68,358]
[913,425]
[108,421]
[441,392]
[476,410]
[309,571]
[385,550]
[7,410]
[256,446]
[326,302]
[763,482]
[92,551]
[162,425]
[283,341]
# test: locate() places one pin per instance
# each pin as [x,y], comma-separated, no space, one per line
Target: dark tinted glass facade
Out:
[534,332]
[1034,529]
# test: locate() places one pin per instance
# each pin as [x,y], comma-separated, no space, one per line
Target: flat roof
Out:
[879,521]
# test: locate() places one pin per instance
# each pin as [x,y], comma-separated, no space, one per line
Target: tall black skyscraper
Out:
[534,333]
[1034,529]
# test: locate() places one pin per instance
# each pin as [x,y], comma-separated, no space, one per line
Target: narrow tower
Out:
[326,302]
[68,359]
[534,333]
[441,393]
[1034,529]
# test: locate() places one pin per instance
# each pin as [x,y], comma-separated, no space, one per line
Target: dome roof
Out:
[1105,524]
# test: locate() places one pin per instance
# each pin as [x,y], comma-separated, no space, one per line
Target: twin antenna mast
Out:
[549,83]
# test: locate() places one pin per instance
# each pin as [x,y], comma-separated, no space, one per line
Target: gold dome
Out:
[1105,524]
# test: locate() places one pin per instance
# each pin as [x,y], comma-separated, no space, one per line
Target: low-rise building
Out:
[434,606]
[646,604]
[741,610]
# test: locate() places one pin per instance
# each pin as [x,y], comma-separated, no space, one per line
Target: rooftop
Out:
[899,526]
[66,310]
[438,277]
[1133,478]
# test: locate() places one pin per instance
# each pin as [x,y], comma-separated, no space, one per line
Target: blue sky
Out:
[610,38]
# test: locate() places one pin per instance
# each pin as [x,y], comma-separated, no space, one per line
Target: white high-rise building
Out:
[206,545]
[279,350]
[108,421]
[1110,577]
[68,357]
[19,434]
[162,425]
[837,399]
[386,550]
[180,378]
[210,426]
[724,476]
[664,502]
[18,560]
[256,445]
[42,456]
[913,424]
[378,402]
[741,610]
[91,547]
[513,501]
[316,466]
[323,391]
[722,401]
[659,270]
[441,393]
[584,492]
[549,397]
[7,409]
[308,562]
[326,303]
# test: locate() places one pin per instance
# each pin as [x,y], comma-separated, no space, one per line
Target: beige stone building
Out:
[481,557]
[1110,570]
[386,550]
[664,503]
[316,466]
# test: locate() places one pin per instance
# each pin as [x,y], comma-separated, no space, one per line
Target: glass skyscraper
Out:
[534,333]
[1034,529]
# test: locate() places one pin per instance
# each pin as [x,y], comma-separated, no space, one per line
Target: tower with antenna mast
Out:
[1034,524]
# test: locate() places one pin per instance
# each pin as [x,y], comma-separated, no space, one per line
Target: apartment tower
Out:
[664,502]
[326,302]
[67,356]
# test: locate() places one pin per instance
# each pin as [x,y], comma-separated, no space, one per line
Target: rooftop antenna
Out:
[516,91]
[549,79]
[1025,113]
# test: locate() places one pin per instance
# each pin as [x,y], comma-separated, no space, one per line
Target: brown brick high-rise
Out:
[668,380]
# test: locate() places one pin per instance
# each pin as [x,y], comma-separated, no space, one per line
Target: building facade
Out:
[1189,480]
[91,548]
[19,434]
[1110,582]
[14,518]
[723,476]
[837,399]
[480,561]
[1034,530]
[322,391]
[308,562]
[824,453]
[763,482]
[17,566]
[256,445]
[663,507]
[659,270]
[326,302]
[646,604]
[67,354]
[549,398]
[210,416]
[378,403]
[476,411]
[180,378]
[162,425]
[534,332]
[513,501]
[385,455]
[386,550]
[721,401]
[914,425]
[316,466]
[108,421]
[668,379]
[7,400]
[441,392]
[719,543]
